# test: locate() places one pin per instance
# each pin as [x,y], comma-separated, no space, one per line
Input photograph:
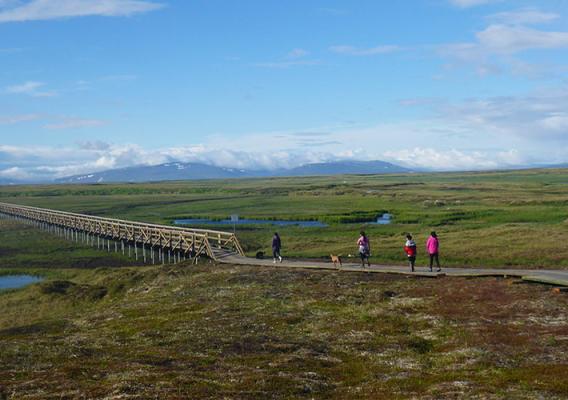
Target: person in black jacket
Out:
[276,246]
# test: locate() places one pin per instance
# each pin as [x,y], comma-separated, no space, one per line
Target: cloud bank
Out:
[46,163]
[472,3]
[50,9]
[471,134]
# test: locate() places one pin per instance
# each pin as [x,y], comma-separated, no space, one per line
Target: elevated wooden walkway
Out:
[165,240]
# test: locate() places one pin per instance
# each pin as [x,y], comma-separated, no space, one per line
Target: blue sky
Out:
[444,84]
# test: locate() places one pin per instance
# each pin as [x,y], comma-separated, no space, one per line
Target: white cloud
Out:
[472,3]
[118,78]
[74,123]
[453,159]
[555,122]
[97,145]
[295,57]
[35,164]
[355,51]
[50,9]
[54,123]
[15,173]
[30,88]
[46,162]
[504,39]
[498,47]
[539,116]
[525,16]
[14,119]
[287,64]
[297,53]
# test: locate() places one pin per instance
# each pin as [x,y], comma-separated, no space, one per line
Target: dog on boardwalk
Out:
[335,260]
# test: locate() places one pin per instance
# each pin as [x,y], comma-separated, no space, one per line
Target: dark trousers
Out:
[365,257]
[275,252]
[412,261]
[434,257]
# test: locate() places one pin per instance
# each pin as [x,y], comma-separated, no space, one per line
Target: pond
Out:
[384,219]
[245,221]
[17,281]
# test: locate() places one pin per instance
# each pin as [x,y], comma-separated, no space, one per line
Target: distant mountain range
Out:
[345,167]
[188,171]
[196,171]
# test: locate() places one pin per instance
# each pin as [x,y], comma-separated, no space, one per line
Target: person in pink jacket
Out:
[364,246]
[432,247]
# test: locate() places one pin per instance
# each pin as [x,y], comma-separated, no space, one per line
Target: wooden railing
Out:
[186,241]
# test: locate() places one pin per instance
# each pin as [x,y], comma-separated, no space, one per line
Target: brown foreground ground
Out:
[223,332]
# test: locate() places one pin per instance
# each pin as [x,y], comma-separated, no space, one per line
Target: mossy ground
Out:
[215,331]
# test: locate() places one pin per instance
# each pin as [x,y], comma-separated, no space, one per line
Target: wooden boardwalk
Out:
[552,277]
[150,241]
[162,243]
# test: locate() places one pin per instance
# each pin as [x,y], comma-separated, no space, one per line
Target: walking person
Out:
[432,247]
[276,246]
[364,249]
[410,250]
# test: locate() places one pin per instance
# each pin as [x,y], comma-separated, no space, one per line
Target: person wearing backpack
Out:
[364,249]
[410,250]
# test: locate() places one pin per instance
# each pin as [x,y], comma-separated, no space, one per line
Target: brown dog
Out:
[335,260]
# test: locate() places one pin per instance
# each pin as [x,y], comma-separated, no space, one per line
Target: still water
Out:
[17,281]
[245,221]
[384,219]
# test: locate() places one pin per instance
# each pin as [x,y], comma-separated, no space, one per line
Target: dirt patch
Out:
[67,288]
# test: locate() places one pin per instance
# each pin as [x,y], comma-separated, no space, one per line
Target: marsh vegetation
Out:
[490,219]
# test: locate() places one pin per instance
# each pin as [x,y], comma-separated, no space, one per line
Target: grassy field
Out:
[102,331]
[496,219]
